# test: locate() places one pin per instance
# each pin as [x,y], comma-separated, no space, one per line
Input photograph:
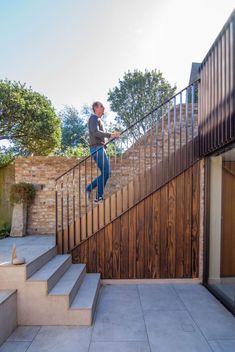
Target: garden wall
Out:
[42,170]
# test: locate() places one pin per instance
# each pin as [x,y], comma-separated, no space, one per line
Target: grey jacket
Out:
[96,131]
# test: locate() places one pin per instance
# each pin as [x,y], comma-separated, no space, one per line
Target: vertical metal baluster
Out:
[145,173]
[62,216]
[174,136]
[110,193]
[56,215]
[80,203]
[169,140]
[103,187]
[181,131]
[97,173]
[192,94]
[74,215]
[116,188]
[157,148]
[128,180]
[133,170]
[139,173]
[163,135]
[91,202]
[186,127]
[121,181]
[84,190]
[68,218]
[151,152]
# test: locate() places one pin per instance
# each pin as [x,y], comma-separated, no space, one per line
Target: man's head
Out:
[98,108]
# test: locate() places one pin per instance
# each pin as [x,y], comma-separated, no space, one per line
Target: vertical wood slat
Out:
[100,260]
[180,226]
[157,238]
[132,243]
[163,232]
[116,248]
[171,228]
[195,218]
[140,240]
[148,205]
[187,220]
[108,253]
[217,116]
[124,250]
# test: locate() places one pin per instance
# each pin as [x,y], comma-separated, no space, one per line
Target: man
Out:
[97,149]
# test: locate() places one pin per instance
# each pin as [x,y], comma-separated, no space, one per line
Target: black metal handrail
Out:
[132,125]
[151,151]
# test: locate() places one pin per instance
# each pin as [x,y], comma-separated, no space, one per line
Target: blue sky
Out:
[74,51]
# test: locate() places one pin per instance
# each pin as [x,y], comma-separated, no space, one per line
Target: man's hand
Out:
[115,134]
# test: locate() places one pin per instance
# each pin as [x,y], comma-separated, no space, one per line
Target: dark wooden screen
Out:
[217,92]
[157,238]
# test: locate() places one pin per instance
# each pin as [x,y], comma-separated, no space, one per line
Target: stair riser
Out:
[34,266]
[76,287]
[58,274]
[8,316]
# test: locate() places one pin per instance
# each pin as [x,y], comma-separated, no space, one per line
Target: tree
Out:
[74,129]
[137,94]
[28,120]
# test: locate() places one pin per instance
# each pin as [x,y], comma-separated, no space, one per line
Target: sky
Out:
[74,51]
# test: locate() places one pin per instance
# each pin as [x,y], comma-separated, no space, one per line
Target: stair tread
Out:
[50,268]
[87,292]
[68,280]
[5,294]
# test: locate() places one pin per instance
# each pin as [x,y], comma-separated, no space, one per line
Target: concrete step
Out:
[37,263]
[8,313]
[70,282]
[86,298]
[51,272]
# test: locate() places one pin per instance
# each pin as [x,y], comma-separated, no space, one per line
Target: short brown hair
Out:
[95,105]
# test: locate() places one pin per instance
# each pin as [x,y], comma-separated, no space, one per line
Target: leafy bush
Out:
[4,231]
[22,193]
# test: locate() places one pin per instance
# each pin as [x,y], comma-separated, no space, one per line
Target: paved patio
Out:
[139,318]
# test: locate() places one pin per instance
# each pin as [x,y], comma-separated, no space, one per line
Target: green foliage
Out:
[6,156]
[74,128]
[28,120]
[137,94]
[4,231]
[80,151]
[22,193]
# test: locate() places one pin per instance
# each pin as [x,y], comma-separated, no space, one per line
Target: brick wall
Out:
[42,170]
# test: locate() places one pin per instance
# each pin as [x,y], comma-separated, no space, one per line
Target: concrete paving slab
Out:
[222,345]
[214,320]
[174,331]
[24,333]
[15,346]
[159,297]
[29,247]
[119,316]
[130,346]
[61,339]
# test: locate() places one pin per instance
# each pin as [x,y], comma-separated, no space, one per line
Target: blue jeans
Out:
[98,153]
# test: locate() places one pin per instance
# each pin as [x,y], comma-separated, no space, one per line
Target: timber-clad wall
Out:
[157,238]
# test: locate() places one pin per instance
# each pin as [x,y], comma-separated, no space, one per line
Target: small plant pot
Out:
[19,220]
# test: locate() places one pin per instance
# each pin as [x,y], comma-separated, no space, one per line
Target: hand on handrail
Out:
[115,134]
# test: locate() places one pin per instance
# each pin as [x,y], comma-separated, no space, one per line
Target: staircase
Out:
[51,290]
[148,154]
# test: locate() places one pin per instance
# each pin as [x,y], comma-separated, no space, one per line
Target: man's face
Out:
[99,110]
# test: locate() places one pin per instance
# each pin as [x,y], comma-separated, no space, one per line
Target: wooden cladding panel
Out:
[216,93]
[157,238]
